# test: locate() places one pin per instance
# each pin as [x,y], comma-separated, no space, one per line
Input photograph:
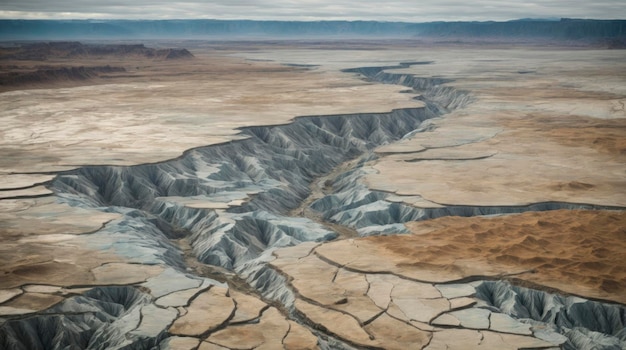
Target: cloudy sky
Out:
[381,10]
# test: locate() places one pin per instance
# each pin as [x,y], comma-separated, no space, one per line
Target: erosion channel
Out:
[216,216]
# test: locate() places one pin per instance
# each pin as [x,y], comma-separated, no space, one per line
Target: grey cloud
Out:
[394,10]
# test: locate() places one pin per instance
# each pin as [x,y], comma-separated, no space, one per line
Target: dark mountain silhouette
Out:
[42,51]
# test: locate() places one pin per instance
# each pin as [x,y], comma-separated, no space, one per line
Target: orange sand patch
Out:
[607,136]
[579,252]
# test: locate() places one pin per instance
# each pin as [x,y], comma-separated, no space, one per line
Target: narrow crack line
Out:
[258,316]
[263,309]
[408,323]
[60,172]
[464,307]
[513,274]
[551,346]
[366,322]
[222,325]
[369,333]
[318,327]
[327,307]
[216,344]
[34,196]
[355,270]
[302,257]
[179,290]
[36,184]
[433,298]
[393,287]
[195,296]
[140,318]
[379,153]
[482,337]
[434,285]
[282,341]
[430,340]
[335,275]
[199,344]
[449,159]
[400,310]
[103,226]
[92,286]
[13,298]
[312,251]
[441,313]
[130,263]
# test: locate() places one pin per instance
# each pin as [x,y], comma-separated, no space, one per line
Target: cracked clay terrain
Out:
[293,196]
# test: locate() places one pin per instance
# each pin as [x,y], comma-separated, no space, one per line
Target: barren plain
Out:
[304,195]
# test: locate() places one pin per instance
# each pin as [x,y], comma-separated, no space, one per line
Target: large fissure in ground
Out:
[234,203]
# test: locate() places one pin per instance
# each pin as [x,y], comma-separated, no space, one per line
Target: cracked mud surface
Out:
[118,253]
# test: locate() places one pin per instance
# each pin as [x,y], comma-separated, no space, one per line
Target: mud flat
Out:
[217,204]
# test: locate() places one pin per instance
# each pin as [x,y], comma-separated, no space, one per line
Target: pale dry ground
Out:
[169,107]
[557,132]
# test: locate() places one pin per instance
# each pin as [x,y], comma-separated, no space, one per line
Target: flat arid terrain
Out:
[312,195]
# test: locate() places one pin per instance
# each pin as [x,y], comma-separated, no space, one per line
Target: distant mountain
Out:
[551,19]
[564,29]
[42,51]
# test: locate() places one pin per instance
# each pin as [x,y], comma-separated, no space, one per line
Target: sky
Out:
[305,10]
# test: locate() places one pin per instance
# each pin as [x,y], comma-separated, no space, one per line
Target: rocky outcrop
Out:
[269,173]
[98,319]
[65,69]
[585,324]
[71,49]
[52,74]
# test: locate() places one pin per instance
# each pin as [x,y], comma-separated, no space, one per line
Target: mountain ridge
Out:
[563,29]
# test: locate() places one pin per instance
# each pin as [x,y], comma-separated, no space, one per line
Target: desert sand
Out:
[575,252]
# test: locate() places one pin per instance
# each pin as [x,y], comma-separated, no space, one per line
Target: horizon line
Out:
[529,19]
